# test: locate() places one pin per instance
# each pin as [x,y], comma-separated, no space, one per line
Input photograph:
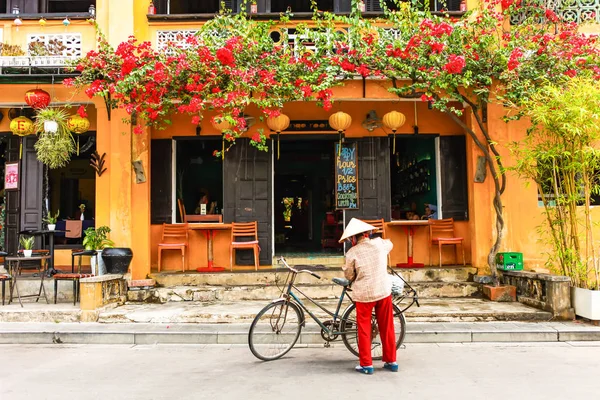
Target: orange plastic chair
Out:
[441,232]
[174,237]
[377,223]
[244,229]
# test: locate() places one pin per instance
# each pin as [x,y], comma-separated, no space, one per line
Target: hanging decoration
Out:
[78,125]
[394,120]
[66,22]
[340,121]
[37,98]
[278,124]
[22,126]
[55,143]
[18,22]
[42,22]
[221,124]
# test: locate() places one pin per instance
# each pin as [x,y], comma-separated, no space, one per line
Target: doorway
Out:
[304,210]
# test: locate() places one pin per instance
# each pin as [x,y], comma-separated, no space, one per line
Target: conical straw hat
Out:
[356,226]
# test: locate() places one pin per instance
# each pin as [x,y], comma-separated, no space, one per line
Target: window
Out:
[300,5]
[193,7]
[60,6]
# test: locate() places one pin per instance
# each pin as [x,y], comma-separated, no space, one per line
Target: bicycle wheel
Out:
[350,336]
[275,330]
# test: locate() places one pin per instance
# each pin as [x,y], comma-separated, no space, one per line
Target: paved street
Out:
[428,371]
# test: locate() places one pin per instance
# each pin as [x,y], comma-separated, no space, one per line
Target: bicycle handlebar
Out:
[282,260]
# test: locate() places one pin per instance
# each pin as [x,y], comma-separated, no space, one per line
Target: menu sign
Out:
[346,176]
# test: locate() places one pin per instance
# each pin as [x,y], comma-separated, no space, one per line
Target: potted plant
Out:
[51,220]
[97,240]
[55,142]
[27,245]
[561,157]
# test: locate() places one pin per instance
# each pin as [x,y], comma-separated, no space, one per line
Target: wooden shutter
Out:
[373,179]
[453,164]
[247,183]
[161,182]
[32,196]
[12,221]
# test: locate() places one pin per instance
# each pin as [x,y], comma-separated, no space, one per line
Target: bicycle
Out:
[277,327]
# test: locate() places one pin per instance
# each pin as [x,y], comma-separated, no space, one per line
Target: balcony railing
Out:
[29,65]
[579,11]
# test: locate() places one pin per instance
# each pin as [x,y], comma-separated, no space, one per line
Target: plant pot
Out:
[117,259]
[500,293]
[101,265]
[51,227]
[51,126]
[27,253]
[586,303]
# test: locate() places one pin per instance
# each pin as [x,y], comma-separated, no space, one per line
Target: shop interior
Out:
[199,175]
[413,175]
[305,216]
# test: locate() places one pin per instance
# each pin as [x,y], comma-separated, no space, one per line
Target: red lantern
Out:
[37,98]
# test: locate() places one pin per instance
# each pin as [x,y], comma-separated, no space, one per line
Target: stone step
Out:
[272,276]
[269,292]
[312,259]
[431,310]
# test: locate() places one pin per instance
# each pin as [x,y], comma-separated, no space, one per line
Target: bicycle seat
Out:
[341,281]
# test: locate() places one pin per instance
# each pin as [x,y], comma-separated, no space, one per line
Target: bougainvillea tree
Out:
[232,62]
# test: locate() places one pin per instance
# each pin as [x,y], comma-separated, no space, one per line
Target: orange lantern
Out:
[393,120]
[78,124]
[340,121]
[37,98]
[278,124]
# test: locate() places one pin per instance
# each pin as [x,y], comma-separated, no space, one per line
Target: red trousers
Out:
[384,311]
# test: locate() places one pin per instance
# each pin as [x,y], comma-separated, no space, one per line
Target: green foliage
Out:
[97,239]
[560,155]
[27,242]
[51,219]
[54,149]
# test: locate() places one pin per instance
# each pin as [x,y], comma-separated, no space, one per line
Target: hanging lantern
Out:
[66,22]
[22,126]
[340,121]
[42,22]
[37,98]
[278,124]
[78,124]
[393,120]
[221,126]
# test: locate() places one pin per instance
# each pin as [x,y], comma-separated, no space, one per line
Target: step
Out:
[272,276]
[312,259]
[273,291]
[431,310]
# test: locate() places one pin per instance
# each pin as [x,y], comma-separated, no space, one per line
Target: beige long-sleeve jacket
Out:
[366,264]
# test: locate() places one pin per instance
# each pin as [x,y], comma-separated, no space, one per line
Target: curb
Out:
[133,334]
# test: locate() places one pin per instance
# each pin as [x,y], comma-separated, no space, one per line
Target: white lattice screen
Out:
[71,41]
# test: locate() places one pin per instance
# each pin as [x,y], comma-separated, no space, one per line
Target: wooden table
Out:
[14,266]
[209,231]
[409,227]
[50,234]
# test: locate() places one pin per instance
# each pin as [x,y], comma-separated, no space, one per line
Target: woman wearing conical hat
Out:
[366,267]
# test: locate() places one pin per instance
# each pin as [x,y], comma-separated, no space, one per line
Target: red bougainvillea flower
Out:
[225,56]
[455,64]
[513,61]
[138,130]
[551,16]
[81,112]
[256,137]
[196,119]
[571,72]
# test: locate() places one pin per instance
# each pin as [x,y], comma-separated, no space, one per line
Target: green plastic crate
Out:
[509,261]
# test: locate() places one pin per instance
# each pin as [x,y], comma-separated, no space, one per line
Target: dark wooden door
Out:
[453,179]
[12,221]
[247,183]
[374,182]
[161,200]
[32,197]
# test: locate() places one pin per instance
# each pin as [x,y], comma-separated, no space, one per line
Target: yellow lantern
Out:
[221,126]
[394,120]
[278,124]
[78,124]
[22,126]
[340,121]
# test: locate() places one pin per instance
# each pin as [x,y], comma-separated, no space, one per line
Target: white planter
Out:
[51,126]
[27,253]
[586,303]
[101,266]
[51,227]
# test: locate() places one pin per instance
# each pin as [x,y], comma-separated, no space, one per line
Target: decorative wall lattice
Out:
[578,11]
[165,39]
[71,42]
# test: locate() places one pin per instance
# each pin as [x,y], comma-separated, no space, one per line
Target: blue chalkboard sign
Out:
[346,176]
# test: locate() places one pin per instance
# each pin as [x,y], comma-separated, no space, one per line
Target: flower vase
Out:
[82,217]
[51,227]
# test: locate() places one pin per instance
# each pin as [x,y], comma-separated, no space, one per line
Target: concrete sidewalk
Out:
[237,333]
